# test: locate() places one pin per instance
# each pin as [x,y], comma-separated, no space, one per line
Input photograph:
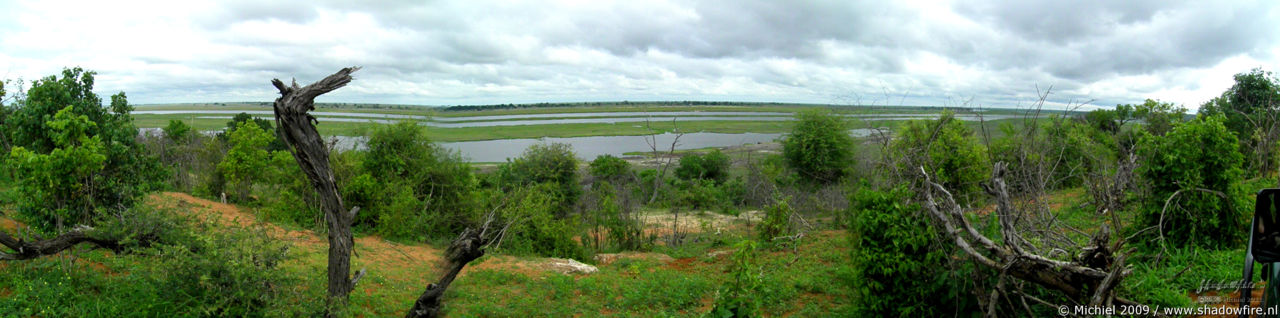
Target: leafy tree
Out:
[1199,162]
[247,158]
[275,144]
[896,269]
[610,168]
[947,149]
[437,182]
[1251,107]
[1159,117]
[546,163]
[177,131]
[819,146]
[1104,119]
[57,187]
[127,171]
[712,166]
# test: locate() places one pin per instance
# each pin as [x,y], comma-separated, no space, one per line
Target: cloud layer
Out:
[984,53]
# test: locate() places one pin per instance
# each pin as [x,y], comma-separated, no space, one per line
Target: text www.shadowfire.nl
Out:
[1142,310]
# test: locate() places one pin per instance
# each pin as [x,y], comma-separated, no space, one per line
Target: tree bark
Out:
[466,248]
[309,150]
[27,250]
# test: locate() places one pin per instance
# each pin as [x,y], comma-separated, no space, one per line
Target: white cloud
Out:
[991,53]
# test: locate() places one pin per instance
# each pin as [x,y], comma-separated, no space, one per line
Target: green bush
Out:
[776,222]
[247,158]
[819,147]
[740,297]
[1193,157]
[546,163]
[896,271]
[610,168]
[712,166]
[948,150]
[96,144]
[439,180]
[535,229]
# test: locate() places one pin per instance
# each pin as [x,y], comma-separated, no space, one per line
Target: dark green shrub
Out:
[819,147]
[712,166]
[610,168]
[1200,159]
[536,230]
[896,271]
[96,144]
[546,163]
[948,151]
[438,179]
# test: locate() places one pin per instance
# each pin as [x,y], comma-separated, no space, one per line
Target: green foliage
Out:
[613,226]
[437,197]
[1250,107]
[535,229]
[88,141]
[276,142]
[740,297]
[896,270]
[247,158]
[1076,150]
[776,223]
[819,146]
[57,188]
[1159,117]
[712,166]
[1194,159]
[1107,120]
[610,168]
[177,131]
[546,163]
[947,149]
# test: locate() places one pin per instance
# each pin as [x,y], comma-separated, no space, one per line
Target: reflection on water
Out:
[588,148]
[614,120]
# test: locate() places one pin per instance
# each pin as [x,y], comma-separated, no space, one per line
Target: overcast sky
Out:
[984,53]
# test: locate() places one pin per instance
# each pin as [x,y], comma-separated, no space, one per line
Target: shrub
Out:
[535,229]
[712,166]
[947,149]
[819,147]
[124,173]
[56,188]
[1200,154]
[776,223]
[438,179]
[740,297]
[546,163]
[895,268]
[610,168]
[247,158]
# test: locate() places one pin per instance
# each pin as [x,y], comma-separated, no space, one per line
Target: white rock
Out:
[569,266]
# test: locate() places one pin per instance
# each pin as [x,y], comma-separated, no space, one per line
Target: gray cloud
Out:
[993,53]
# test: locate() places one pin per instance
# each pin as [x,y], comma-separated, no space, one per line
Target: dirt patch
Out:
[606,259]
[696,222]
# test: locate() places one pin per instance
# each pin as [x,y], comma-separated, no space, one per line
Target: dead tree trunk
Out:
[23,250]
[299,132]
[469,245]
[1089,278]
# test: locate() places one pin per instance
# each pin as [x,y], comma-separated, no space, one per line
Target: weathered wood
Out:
[23,250]
[309,150]
[1092,275]
[469,246]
